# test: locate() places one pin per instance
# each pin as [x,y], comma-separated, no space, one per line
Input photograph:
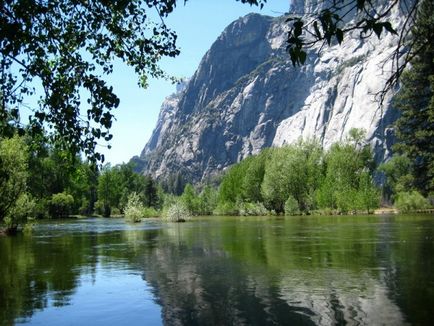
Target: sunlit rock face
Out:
[246,95]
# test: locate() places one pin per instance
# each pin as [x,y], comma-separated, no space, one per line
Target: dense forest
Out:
[42,181]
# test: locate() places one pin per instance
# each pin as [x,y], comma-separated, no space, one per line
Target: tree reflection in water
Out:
[311,271]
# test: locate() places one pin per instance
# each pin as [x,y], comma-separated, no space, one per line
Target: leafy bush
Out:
[20,212]
[61,205]
[347,200]
[177,212]
[410,201]
[41,208]
[368,196]
[99,207]
[291,206]
[85,208]
[134,208]
[252,209]
[103,208]
[226,208]
[150,212]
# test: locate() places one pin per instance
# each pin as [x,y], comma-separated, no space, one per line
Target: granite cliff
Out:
[246,95]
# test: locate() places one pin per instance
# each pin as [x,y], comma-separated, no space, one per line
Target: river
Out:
[356,270]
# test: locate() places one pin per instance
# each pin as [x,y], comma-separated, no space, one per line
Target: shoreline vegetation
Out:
[299,179]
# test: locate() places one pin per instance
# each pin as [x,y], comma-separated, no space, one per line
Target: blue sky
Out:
[197,24]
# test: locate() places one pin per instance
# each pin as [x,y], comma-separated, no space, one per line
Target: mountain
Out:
[246,95]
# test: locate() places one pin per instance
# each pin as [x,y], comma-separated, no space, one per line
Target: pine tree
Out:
[415,127]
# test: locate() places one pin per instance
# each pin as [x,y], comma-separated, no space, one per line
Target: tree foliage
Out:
[68,47]
[347,183]
[292,170]
[13,178]
[116,184]
[61,205]
[303,178]
[134,208]
[415,100]
[177,212]
[399,175]
[407,201]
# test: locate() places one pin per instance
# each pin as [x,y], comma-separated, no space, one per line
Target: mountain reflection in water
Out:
[215,271]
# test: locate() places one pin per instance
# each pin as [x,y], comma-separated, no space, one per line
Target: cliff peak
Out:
[246,95]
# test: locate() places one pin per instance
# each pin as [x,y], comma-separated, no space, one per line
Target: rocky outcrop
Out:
[246,95]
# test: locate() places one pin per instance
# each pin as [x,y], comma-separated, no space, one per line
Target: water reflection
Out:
[311,271]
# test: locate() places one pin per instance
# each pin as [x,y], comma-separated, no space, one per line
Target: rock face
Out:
[246,95]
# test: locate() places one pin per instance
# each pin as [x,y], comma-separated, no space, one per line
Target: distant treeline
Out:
[46,182]
[42,181]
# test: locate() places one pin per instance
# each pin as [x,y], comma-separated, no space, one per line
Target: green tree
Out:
[398,174]
[207,201]
[276,179]
[53,171]
[131,182]
[109,190]
[291,206]
[347,184]
[19,213]
[292,171]
[190,198]
[69,45]
[231,187]
[254,176]
[368,195]
[61,205]
[177,212]
[415,100]
[13,182]
[116,184]
[150,192]
[407,201]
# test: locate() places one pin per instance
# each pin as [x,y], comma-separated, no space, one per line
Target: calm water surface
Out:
[221,271]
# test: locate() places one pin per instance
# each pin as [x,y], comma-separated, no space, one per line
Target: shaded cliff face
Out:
[246,95]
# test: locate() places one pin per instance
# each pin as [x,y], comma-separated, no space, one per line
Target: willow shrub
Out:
[134,209]
[291,206]
[410,201]
[252,209]
[177,212]
[61,205]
